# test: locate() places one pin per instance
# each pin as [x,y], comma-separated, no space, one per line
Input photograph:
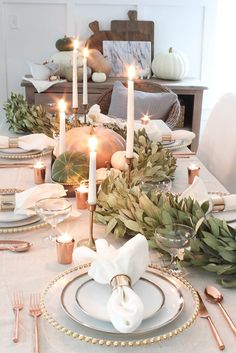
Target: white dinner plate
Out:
[170,310]
[149,292]
[24,221]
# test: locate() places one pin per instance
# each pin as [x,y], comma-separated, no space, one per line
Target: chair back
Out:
[217,149]
[146,86]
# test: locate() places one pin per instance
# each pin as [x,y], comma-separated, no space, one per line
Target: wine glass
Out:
[173,239]
[151,184]
[53,210]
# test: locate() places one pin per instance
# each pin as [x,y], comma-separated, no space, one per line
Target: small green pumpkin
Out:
[65,43]
[70,168]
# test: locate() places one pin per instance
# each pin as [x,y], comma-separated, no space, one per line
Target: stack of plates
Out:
[11,222]
[76,305]
[177,144]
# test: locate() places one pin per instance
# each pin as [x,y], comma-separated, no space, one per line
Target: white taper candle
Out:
[92,192]
[130,114]
[85,77]
[75,78]
[62,109]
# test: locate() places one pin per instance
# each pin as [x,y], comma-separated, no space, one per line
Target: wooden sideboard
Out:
[190,93]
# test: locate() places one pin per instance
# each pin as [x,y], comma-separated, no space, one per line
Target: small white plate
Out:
[149,292]
[18,151]
[27,220]
[10,216]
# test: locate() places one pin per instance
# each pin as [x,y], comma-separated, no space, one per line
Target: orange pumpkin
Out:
[108,142]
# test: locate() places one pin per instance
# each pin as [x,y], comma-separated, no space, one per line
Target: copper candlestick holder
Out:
[76,121]
[89,242]
[129,161]
[85,111]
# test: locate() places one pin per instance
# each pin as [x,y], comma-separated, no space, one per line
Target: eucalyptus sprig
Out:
[129,211]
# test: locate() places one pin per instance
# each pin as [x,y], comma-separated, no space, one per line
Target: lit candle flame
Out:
[146,117]
[193,166]
[62,105]
[92,143]
[64,238]
[76,44]
[38,164]
[131,73]
[85,52]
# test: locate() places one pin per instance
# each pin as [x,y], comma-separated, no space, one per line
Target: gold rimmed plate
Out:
[150,293]
[157,313]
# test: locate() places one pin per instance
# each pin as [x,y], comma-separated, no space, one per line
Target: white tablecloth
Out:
[31,271]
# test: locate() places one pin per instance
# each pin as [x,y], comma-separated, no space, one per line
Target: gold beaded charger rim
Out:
[26,155]
[119,343]
[19,229]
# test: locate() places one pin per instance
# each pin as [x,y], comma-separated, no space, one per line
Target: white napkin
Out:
[25,201]
[124,307]
[41,85]
[30,142]
[197,191]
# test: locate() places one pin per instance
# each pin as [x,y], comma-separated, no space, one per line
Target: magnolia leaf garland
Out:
[129,211]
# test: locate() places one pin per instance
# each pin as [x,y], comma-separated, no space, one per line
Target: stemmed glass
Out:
[173,239]
[151,184]
[53,210]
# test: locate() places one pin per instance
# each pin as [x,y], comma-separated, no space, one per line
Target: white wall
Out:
[29,29]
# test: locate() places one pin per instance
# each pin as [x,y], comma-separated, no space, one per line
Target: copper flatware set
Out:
[213,295]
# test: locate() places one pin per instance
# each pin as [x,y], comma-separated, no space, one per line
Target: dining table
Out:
[29,272]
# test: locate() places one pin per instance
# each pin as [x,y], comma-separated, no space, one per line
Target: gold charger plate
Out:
[26,155]
[55,316]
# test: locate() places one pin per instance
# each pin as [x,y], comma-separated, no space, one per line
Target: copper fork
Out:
[17,305]
[35,311]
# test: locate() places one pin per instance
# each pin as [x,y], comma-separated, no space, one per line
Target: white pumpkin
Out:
[170,66]
[99,77]
[102,173]
[64,60]
[118,160]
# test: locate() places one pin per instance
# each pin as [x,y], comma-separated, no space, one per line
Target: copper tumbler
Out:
[64,252]
[192,172]
[39,175]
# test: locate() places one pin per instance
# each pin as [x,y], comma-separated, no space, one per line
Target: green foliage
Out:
[129,211]
[23,117]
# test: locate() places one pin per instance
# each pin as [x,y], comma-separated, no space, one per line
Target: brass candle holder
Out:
[90,241]
[76,121]
[129,161]
[85,111]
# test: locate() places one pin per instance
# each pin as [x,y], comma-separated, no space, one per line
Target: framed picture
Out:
[121,54]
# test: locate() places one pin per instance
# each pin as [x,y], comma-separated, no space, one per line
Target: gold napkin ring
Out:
[218,204]
[7,202]
[13,142]
[120,281]
[166,138]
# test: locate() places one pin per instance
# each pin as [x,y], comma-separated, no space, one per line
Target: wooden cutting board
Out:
[131,29]
[134,30]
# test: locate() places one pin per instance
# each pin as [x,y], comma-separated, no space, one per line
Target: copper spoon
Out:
[214,296]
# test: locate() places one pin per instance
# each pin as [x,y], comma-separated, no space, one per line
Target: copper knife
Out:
[204,314]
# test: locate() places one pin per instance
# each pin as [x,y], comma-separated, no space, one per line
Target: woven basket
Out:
[173,115]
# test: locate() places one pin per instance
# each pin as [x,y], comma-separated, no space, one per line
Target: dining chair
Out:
[217,149]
